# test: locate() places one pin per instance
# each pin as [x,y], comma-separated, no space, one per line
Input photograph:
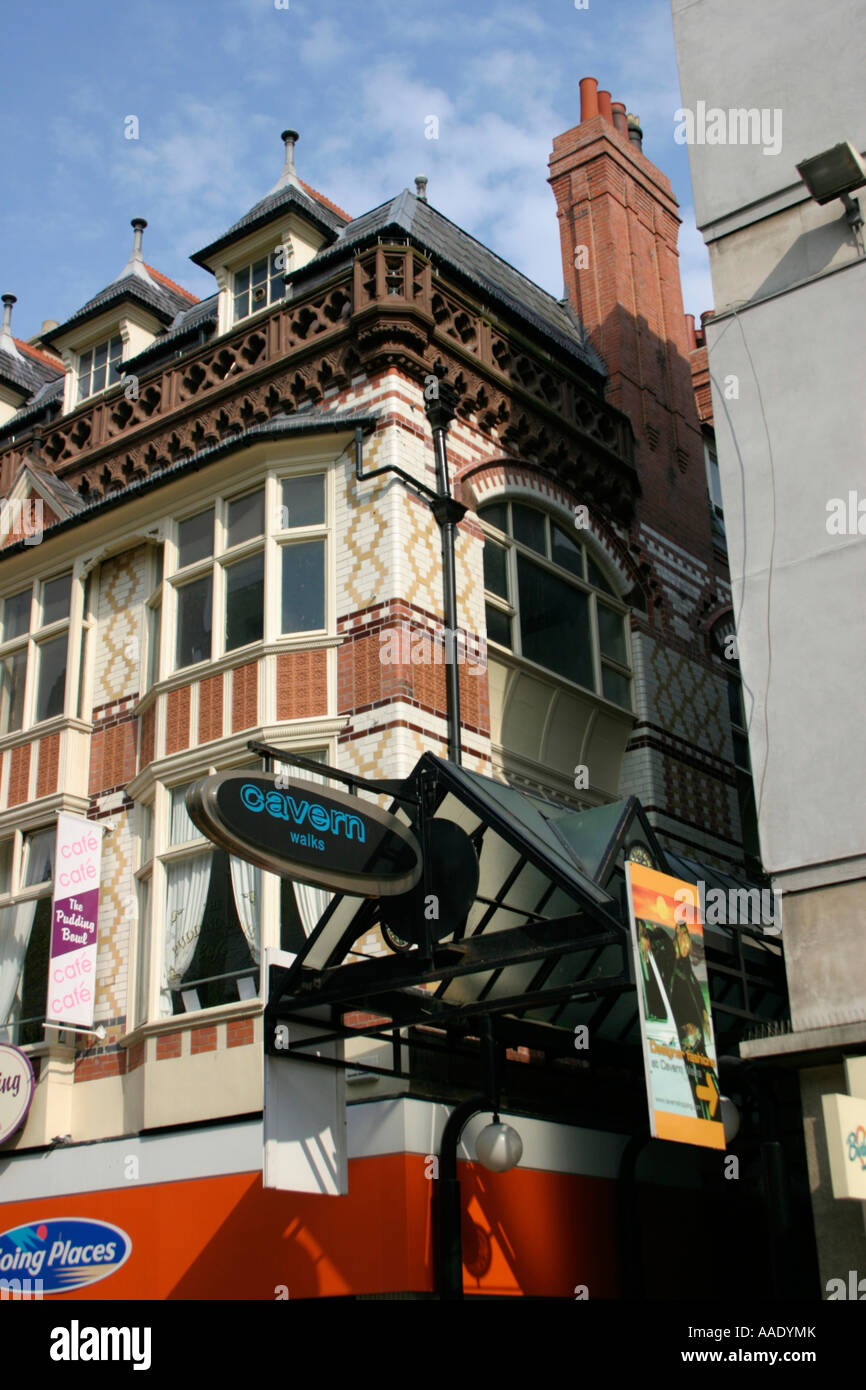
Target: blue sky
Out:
[214,82]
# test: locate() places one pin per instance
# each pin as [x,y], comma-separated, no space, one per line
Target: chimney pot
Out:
[290,139]
[588,98]
[619,117]
[691,336]
[421,187]
[635,134]
[604,108]
[6,339]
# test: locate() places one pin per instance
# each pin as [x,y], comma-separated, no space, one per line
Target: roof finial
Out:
[421,187]
[7,342]
[138,225]
[290,173]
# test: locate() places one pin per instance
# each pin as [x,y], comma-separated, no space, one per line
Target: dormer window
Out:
[258,285]
[99,367]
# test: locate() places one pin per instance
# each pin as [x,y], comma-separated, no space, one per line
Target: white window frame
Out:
[270,543]
[37,635]
[19,893]
[91,350]
[154,855]
[511,607]
[273,283]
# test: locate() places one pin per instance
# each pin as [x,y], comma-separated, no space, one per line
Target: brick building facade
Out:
[211,570]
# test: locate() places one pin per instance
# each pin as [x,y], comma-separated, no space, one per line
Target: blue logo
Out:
[282,806]
[65,1252]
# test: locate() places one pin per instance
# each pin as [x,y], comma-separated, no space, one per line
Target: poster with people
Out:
[674,1001]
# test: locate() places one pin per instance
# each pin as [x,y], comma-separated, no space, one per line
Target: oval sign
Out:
[306,831]
[63,1253]
[17,1084]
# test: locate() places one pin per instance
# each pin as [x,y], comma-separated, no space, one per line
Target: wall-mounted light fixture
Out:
[835,173]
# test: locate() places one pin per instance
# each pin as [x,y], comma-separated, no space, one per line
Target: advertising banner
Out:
[845,1122]
[16,1089]
[74,913]
[674,1002]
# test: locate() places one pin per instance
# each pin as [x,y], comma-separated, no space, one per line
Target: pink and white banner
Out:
[74,913]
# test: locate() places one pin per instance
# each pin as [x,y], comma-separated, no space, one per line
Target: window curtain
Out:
[16,924]
[247,889]
[311,901]
[188,883]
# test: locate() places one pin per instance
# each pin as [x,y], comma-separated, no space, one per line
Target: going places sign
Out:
[301,830]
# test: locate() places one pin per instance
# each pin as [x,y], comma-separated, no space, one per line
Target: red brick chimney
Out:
[618,228]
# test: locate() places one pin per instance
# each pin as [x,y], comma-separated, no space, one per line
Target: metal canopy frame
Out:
[547,945]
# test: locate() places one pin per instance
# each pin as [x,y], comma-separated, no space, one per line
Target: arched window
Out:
[548,600]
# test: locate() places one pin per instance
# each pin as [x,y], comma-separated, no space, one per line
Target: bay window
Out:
[26,886]
[203,915]
[547,599]
[34,653]
[246,569]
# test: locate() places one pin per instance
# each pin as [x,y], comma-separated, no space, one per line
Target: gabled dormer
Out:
[115,325]
[24,369]
[279,234]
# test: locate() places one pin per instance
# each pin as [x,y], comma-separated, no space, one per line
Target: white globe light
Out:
[730,1119]
[499,1148]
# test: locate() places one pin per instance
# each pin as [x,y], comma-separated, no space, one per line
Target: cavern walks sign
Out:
[305,831]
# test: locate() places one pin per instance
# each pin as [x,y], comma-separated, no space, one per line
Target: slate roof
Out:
[159,296]
[184,325]
[323,214]
[27,370]
[411,217]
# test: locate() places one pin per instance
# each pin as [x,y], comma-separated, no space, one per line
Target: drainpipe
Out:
[440,410]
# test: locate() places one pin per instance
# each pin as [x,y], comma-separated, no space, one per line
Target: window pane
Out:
[554,623]
[616,687]
[33,981]
[529,527]
[242,306]
[565,551]
[611,634]
[13,670]
[194,622]
[16,615]
[181,827]
[51,682]
[154,633]
[100,355]
[242,280]
[195,538]
[245,601]
[158,566]
[207,951]
[260,272]
[495,514]
[145,832]
[496,569]
[303,502]
[85,362]
[143,961]
[498,626]
[741,750]
[736,708]
[38,857]
[55,599]
[303,587]
[98,379]
[246,518]
[5,866]
[595,576]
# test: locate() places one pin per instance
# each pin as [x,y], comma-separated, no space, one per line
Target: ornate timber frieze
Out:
[389,310]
